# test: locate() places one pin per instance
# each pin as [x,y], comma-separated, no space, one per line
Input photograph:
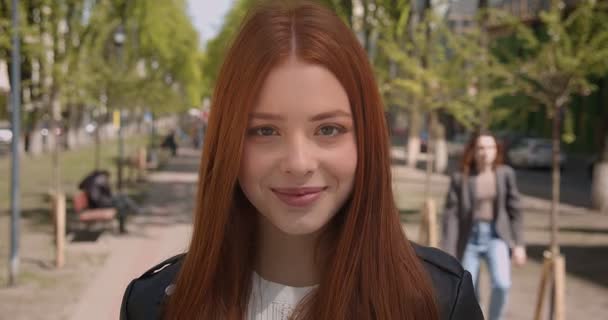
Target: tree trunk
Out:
[73,128]
[429,168]
[441,155]
[484,121]
[56,118]
[430,152]
[599,187]
[366,26]
[440,149]
[359,22]
[555,180]
[97,147]
[413,141]
[36,141]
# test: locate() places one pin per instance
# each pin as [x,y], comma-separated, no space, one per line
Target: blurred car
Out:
[533,153]
[6,134]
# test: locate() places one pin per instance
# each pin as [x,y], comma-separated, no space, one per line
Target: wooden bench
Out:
[88,216]
[134,166]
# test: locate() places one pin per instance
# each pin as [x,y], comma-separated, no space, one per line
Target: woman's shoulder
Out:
[453,285]
[144,295]
[505,168]
[438,261]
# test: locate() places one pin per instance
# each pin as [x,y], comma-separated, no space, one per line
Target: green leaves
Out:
[441,69]
[559,57]
[569,49]
[217,47]
[158,67]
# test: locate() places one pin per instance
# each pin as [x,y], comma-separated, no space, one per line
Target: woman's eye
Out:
[330,131]
[263,131]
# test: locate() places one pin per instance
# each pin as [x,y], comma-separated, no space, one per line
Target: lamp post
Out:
[16,95]
[119,40]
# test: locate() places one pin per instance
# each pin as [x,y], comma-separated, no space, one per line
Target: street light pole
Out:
[119,40]
[120,152]
[16,118]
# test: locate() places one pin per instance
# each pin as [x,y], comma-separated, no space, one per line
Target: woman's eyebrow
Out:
[265,116]
[330,114]
[315,118]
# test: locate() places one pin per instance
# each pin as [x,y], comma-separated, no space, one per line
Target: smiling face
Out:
[300,154]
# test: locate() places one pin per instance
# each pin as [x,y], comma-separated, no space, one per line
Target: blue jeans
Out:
[484,244]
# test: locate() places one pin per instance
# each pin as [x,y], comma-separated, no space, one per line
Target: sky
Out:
[207,16]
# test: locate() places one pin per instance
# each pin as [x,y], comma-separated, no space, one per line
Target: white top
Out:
[273,301]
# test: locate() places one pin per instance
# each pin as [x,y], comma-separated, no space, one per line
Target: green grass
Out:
[36,175]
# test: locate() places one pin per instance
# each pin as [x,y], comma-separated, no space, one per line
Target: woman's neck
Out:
[286,259]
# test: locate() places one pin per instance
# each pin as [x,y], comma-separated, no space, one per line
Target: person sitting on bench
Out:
[96,186]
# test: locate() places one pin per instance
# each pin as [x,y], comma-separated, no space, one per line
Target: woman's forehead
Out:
[297,86]
[486,140]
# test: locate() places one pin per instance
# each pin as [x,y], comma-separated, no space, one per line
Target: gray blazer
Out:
[458,213]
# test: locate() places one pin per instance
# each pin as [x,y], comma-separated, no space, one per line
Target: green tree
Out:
[440,70]
[168,38]
[554,63]
[70,64]
[216,48]
[411,41]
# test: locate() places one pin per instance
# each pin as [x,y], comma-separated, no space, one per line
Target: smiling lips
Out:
[299,197]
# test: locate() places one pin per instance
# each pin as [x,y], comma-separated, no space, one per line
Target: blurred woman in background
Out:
[482,220]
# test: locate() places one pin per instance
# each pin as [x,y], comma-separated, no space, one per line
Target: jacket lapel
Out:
[469,198]
[500,190]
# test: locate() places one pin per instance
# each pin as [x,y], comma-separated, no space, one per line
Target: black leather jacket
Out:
[97,187]
[453,286]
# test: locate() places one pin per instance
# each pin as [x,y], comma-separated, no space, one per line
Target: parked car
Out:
[533,153]
[6,134]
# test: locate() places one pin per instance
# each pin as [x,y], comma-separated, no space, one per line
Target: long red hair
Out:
[372,271]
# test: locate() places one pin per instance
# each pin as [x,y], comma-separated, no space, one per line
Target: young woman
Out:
[482,219]
[296,217]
